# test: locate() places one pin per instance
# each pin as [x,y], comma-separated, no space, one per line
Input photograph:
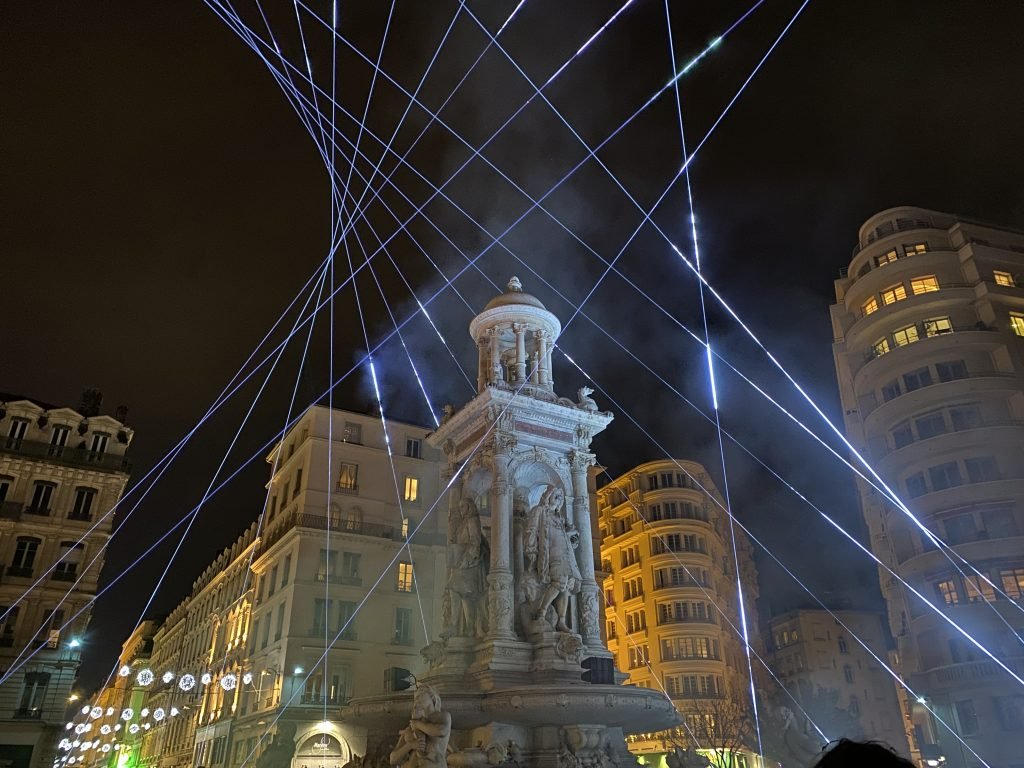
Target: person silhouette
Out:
[860,754]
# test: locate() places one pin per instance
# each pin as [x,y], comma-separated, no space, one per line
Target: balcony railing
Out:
[873,353]
[309,698]
[687,620]
[340,525]
[76,457]
[19,571]
[11,510]
[63,575]
[28,713]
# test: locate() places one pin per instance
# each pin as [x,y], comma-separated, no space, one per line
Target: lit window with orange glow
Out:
[869,306]
[894,293]
[1004,278]
[925,284]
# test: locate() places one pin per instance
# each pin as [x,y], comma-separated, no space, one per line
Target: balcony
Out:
[687,620]
[63,576]
[19,571]
[28,713]
[340,526]
[11,510]
[75,457]
[37,511]
[310,698]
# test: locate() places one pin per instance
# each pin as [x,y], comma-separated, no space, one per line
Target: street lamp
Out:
[75,643]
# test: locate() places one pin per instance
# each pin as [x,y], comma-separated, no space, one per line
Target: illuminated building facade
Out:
[258,617]
[671,594]
[817,658]
[61,470]
[929,353]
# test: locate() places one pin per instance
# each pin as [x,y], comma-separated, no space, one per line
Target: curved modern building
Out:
[670,593]
[929,352]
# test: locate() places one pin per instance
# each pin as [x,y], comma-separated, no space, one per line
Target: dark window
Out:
[982,469]
[967,717]
[652,482]
[999,522]
[99,442]
[960,529]
[5,487]
[42,493]
[953,369]
[59,439]
[916,486]
[930,425]
[82,509]
[25,552]
[917,379]
[965,417]
[902,435]
[891,391]
[16,432]
[413,448]
[945,476]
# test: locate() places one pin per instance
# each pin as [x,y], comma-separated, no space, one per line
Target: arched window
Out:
[842,645]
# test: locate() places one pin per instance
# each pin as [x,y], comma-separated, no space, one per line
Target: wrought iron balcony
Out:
[76,457]
[19,571]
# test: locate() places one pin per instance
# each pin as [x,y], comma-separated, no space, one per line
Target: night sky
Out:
[162,204]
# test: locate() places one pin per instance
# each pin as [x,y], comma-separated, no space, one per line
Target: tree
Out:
[720,728]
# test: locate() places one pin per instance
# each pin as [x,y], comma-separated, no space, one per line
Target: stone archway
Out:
[321,749]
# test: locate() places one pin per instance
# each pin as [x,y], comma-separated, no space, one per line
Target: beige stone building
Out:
[671,594]
[61,470]
[241,655]
[929,353]
[818,657]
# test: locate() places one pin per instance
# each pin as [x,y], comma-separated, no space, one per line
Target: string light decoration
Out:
[186,682]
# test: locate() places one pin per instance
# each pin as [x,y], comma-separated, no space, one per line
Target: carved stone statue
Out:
[424,742]
[585,400]
[281,749]
[448,411]
[467,577]
[549,545]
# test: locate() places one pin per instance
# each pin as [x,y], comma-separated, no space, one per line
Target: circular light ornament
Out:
[85,710]
[159,714]
[80,729]
[105,730]
[167,676]
[175,712]
[105,748]
[228,682]
[124,671]
[110,711]
[247,678]
[147,726]
[144,712]
[64,744]
[145,677]
[186,682]
[127,713]
[69,726]
[117,727]
[75,743]
[96,712]
[133,728]
[206,678]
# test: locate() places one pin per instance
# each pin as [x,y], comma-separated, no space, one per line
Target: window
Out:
[611,630]
[916,249]
[1017,323]
[937,326]
[406,525]
[405,581]
[886,258]
[412,489]
[930,425]
[945,476]
[273,582]
[652,482]
[82,509]
[353,433]
[854,707]
[916,485]
[979,590]
[42,493]
[967,717]
[298,482]
[348,477]
[403,626]
[1012,580]
[287,570]
[350,568]
[843,648]
[1010,710]
[639,656]
[925,284]
[5,487]
[280,621]
[70,555]
[905,335]
[946,591]
[982,469]
[949,371]
[1003,278]
[869,306]
[58,439]
[413,448]
[25,553]
[33,694]
[266,631]
[960,529]
[99,442]
[848,673]
[16,432]
[917,379]
[53,621]
[902,435]
[328,564]
[894,293]
[891,391]
[999,522]
[965,417]
[880,347]
[346,619]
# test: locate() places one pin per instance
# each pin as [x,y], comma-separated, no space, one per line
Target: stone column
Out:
[482,364]
[494,368]
[579,463]
[520,331]
[499,580]
[454,500]
[549,344]
[543,358]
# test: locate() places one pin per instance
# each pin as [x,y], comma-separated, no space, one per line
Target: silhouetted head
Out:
[861,754]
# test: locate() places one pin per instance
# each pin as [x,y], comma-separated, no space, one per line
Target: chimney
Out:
[121,413]
[90,404]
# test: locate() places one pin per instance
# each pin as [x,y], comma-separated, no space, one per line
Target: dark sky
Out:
[162,204]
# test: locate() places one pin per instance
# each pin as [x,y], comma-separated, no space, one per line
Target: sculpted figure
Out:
[585,400]
[424,742]
[467,578]
[279,752]
[549,545]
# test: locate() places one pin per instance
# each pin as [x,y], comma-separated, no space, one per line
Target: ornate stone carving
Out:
[448,410]
[467,571]
[579,461]
[589,614]
[434,654]
[424,742]
[549,545]
[586,402]
[569,647]
[448,447]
